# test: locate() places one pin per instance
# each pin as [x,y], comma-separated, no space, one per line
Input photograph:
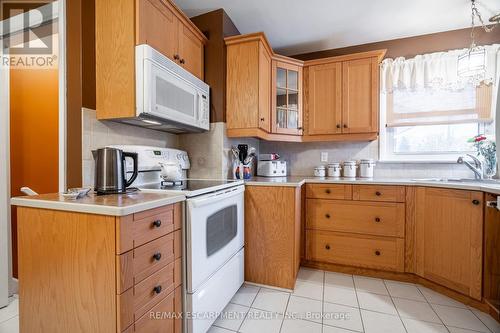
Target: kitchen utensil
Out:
[110,173]
[243,152]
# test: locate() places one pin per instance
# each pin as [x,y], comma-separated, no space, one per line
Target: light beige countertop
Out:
[493,188]
[114,205]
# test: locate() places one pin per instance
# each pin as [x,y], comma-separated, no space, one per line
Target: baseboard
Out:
[13,286]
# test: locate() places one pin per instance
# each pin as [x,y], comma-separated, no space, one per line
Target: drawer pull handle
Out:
[327,246]
[157,256]
[176,57]
[378,194]
[377,219]
[327,216]
[157,224]
[327,191]
[182,61]
[476,202]
[157,289]
[377,253]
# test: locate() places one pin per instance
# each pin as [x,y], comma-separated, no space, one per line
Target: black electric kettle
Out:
[110,171]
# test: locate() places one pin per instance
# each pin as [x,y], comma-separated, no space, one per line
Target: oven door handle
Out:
[215,197]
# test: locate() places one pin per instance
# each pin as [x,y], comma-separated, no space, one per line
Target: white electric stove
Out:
[213,233]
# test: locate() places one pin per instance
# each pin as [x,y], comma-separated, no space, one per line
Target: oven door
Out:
[168,96]
[214,233]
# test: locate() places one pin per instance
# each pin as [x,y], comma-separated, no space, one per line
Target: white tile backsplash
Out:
[98,134]
[303,157]
[210,152]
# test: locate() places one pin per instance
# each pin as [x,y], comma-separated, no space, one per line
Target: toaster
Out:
[271,168]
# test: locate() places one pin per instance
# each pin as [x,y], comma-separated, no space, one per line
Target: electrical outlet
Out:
[324,156]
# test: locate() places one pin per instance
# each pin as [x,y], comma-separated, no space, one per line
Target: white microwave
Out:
[168,97]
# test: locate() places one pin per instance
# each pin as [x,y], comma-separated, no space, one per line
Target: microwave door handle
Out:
[215,197]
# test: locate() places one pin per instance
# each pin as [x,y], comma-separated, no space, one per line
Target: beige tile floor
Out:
[325,302]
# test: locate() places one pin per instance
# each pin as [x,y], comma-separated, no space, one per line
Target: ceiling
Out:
[300,26]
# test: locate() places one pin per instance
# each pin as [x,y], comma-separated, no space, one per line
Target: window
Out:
[433,124]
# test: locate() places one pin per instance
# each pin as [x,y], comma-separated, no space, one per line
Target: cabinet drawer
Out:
[139,300]
[329,191]
[373,218]
[136,265]
[379,193]
[385,253]
[138,229]
[166,316]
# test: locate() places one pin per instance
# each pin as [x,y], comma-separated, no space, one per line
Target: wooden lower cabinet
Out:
[386,253]
[90,273]
[373,218]
[492,257]
[272,235]
[343,227]
[449,238]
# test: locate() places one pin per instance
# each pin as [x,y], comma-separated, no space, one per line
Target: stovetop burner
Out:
[191,187]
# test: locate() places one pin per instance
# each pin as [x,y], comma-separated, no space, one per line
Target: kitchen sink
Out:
[458,180]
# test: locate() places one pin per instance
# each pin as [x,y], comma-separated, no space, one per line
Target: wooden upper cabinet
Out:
[360,93]
[286,97]
[190,51]
[449,242]
[158,27]
[248,91]
[342,97]
[123,24]
[324,99]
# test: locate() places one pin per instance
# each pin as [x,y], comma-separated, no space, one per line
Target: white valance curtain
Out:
[426,90]
[435,70]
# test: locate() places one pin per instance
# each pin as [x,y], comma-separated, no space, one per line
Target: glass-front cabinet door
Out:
[287,98]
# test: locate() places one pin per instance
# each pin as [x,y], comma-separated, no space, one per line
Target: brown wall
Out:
[409,47]
[74,94]
[88,54]
[216,25]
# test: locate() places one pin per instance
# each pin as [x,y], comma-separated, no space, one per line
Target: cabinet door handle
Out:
[176,57]
[345,125]
[377,253]
[157,256]
[476,202]
[327,246]
[157,224]
[338,126]
[157,289]
[182,61]
[262,119]
[377,219]
[327,215]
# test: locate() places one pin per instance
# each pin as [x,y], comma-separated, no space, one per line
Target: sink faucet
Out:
[477,168]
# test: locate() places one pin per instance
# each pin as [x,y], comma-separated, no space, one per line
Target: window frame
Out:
[386,140]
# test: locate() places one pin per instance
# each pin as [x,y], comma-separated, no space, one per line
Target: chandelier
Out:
[472,63]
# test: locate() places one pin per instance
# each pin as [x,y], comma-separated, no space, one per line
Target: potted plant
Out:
[486,148]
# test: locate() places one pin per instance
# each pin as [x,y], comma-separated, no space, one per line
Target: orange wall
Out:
[33,135]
